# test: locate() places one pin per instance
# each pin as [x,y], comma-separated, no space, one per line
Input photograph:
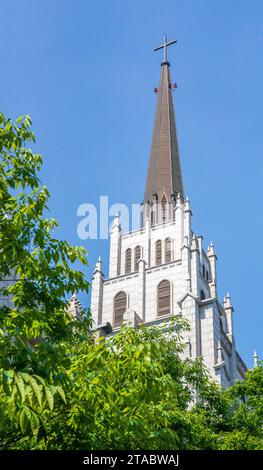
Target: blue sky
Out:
[85,72]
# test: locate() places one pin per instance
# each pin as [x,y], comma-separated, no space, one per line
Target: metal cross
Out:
[164,47]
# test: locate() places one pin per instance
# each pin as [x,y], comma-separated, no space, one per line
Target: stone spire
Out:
[255,359]
[75,307]
[164,171]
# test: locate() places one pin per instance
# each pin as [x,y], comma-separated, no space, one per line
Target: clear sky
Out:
[85,72]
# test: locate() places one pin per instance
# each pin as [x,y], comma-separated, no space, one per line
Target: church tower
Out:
[162,269]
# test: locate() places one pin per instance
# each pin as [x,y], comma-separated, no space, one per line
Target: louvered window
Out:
[164,208]
[163,298]
[168,250]
[120,305]
[128,261]
[137,255]
[152,218]
[158,252]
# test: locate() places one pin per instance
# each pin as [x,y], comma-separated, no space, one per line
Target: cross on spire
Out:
[164,47]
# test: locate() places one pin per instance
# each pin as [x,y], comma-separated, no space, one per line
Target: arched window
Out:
[119,308]
[152,217]
[164,208]
[202,295]
[137,255]
[163,298]
[168,250]
[158,252]
[128,261]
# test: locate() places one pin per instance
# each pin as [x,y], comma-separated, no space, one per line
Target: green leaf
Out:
[21,387]
[9,373]
[125,410]
[25,416]
[25,376]
[34,423]
[5,378]
[95,381]
[61,393]
[49,397]
[19,119]
[36,389]
[40,379]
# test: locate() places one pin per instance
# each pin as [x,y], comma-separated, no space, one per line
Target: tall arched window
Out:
[137,255]
[128,261]
[168,250]
[152,217]
[158,252]
[163,298]
[164,208]
[119,308]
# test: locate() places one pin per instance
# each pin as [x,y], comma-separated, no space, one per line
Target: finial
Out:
[255,359]
[211,250]
[195,245]
[178,199]
[187,205]
[115,223]
[98,265]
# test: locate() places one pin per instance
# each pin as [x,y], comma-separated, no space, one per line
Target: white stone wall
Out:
[209,321]
[128,284]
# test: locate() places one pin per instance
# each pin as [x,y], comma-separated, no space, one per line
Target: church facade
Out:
[162,269]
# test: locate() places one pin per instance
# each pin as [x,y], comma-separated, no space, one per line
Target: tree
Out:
[36,273]
[129,391]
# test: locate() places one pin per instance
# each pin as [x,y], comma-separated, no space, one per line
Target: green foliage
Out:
[126,392]
[63,388]
[234,417]
[36,273]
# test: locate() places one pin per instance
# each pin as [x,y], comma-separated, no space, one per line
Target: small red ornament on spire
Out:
[172,86]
